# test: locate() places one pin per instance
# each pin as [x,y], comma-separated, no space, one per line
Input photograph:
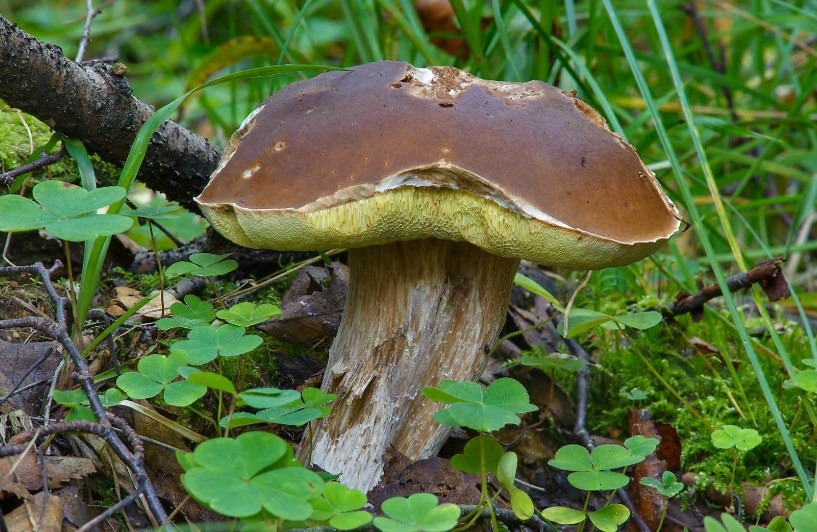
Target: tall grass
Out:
[718,98]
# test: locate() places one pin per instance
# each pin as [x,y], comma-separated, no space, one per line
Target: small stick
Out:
[7,178]
[767,273]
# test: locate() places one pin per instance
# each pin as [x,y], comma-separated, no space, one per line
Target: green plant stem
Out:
[119,321]
[569,306]
[584,510]
[220,401]
[72,294]
[517,333]
[732,480]
[663,514]
[484,498]
[281,274]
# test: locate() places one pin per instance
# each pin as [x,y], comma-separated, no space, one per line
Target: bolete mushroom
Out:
[438,182]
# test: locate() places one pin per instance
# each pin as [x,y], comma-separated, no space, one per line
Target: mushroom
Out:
[438,182]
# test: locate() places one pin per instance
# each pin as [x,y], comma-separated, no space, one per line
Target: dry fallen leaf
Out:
[24,471]
[16,360]
[402,477]
[648,502]
[42,513]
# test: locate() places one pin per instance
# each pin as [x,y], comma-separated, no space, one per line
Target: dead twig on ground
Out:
[768,274]
[131,453]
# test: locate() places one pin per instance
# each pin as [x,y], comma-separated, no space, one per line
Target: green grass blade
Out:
[703,236]
[142,140]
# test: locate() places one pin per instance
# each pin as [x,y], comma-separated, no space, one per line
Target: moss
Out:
[718,388]
[22,135]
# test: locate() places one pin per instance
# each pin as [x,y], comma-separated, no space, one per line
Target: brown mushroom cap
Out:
[388,152]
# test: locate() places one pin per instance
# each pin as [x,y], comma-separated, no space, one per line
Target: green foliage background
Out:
[725,119]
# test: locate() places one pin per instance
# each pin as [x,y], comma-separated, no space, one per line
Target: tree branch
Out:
[91,103]
[768,274]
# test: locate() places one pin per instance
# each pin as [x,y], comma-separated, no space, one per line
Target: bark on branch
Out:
[767,273]
[92,104]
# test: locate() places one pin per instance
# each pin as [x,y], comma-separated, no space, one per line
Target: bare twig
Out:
[718,64]
[130,454]
[93,104]
[7,178]
[767,273]
[90,13]
[44,274]
[18,386]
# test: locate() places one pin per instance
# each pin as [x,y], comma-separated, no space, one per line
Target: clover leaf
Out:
[548,361]
[192,313]
[608,518]
[730,436]
[65,211]
[478,408]
[238,478]
[156,374]
[340,506]
[521,503]
[806,380]
[78,402]
[583,319]
[287,407]
[418,512]
[214,381]
[478,453]
[204,344]
[202,265]
[563,515]
[248,314]
[730,524]
[668,486]
[805,518]
[590,470]
[268,397]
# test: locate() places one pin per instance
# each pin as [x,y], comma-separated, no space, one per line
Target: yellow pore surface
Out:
[412,213]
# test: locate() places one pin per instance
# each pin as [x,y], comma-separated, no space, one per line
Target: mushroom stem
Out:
[417,313]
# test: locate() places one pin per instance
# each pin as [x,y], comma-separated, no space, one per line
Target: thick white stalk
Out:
[417,313]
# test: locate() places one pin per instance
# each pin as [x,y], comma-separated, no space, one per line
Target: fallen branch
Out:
[131,453]
[93,103]
[768,274]
[45,159]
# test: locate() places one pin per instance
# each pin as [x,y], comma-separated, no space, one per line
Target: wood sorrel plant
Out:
[592,471]
[486,410]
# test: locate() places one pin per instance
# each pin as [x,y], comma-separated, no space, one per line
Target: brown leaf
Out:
[774,284]
[42,513]
[753,499]
[20,471]
[669,448]
[24,471]
[648,502]
[401,478]
[702,346]
[546,394]
[312,307]
[61,469]
[16,359]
